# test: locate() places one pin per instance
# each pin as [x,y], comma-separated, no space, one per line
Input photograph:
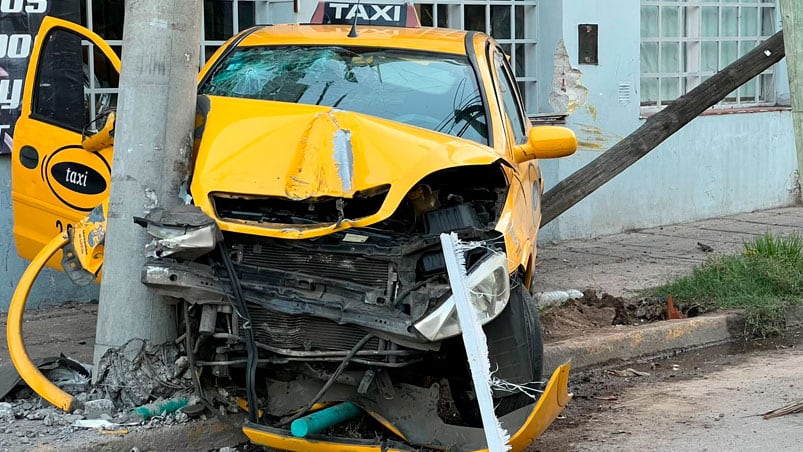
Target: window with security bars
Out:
[225,18]
[683,43]
[510,22]
[222,19]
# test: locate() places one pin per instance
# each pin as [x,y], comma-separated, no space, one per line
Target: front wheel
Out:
[516,353]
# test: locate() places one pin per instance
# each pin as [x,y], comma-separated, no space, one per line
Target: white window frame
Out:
[456,18]
[262,15]
[689,48]
[93,89]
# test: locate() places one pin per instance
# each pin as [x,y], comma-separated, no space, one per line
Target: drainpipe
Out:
[792,15]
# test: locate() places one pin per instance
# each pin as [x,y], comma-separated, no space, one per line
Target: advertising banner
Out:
[19,21]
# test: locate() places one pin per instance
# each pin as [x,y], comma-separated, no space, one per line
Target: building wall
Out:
[716,165]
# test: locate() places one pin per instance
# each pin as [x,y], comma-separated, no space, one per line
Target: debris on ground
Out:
[672,312]
[629,372]
[64,372]
[596,310]
[138,372]
[704,247]
[792,408]
[139,386]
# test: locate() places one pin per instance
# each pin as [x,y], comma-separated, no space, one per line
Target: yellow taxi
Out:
[329,158]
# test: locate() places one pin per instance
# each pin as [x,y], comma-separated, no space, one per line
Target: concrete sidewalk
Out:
[622,264]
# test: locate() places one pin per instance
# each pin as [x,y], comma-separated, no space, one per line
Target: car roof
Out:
[422,38]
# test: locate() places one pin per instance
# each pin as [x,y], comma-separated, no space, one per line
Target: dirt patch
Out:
[595,310]
[608,410]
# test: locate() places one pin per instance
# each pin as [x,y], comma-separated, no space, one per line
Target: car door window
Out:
[510,98]
[75,81]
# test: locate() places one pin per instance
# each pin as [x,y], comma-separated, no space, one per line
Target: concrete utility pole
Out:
[155,117]
[792,14]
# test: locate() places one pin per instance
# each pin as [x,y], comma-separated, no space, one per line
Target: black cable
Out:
[241,309]
[331,379]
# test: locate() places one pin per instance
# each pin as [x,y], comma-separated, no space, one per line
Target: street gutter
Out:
[626,343]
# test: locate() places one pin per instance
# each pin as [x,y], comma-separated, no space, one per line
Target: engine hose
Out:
[16,348]
[330,381]
[241,309]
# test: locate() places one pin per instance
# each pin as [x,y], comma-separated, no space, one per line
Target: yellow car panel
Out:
[428,39]
[551,403]
[308,167]
[55,182]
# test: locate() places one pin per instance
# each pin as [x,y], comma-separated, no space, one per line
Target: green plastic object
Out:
[159,408]
[323,419]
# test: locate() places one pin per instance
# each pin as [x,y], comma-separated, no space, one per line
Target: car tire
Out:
[516,352]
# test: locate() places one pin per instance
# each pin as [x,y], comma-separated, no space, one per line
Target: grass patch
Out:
[765,280]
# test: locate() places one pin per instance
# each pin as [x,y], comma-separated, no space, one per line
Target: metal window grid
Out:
[694,37]
[518,41]
[262,15]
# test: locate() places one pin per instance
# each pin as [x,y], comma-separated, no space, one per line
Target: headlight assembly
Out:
[489,286]
[183,232]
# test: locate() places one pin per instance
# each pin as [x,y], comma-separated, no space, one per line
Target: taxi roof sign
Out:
[366,13]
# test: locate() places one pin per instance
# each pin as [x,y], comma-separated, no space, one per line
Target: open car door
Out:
[72,80]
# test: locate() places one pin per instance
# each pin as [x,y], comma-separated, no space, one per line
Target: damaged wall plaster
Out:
[567,93]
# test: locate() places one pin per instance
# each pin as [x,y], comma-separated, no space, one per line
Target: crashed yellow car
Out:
[329,158]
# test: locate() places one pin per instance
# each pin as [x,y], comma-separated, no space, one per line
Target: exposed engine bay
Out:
[376,298]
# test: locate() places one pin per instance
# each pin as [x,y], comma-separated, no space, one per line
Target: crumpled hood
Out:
[253,147]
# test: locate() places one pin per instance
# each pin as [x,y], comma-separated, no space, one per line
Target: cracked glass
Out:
[430,90]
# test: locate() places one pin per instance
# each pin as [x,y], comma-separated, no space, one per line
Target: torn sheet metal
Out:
[183,231]
[344,158]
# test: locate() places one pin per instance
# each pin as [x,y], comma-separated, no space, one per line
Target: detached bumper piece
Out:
[413,417]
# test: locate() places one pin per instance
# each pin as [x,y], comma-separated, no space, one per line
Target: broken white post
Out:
[474,341]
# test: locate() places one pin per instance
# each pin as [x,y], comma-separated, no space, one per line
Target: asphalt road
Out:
[708,400]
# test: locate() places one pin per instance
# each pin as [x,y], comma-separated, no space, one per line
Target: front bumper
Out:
[530,421]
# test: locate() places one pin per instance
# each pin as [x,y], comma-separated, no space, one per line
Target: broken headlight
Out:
[489,287]
[184,232]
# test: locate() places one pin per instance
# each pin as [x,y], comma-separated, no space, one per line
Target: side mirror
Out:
[99,134]
[546,142]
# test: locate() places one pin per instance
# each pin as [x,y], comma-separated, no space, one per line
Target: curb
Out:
[661,338]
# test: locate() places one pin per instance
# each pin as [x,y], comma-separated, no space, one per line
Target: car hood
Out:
[254,148]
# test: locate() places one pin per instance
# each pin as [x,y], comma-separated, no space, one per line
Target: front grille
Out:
[301,332]
[276,210]
[358,269]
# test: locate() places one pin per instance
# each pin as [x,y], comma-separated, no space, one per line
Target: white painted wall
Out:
[716,165]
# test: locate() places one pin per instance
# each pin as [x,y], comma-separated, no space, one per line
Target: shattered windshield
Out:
[430,90]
